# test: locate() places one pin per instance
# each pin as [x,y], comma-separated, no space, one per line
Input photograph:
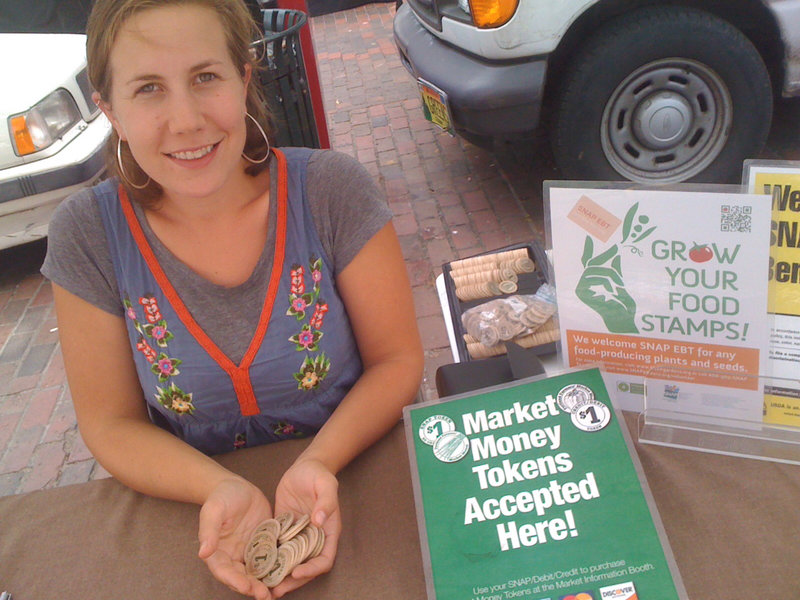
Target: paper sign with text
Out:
[781,180]
[532,490]
[675,293]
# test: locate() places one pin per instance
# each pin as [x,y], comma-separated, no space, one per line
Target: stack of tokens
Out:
[489,274]
[548,332]
[278,545]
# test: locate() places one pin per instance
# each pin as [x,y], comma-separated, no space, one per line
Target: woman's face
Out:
[178,100]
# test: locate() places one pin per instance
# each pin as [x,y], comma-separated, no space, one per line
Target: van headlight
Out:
[44,123]
[488,14]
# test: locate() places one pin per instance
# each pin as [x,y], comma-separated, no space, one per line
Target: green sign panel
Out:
[530,491]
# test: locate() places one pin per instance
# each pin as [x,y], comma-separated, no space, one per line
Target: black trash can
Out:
[282,74]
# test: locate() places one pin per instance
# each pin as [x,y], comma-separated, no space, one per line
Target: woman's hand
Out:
[227,519]
[309,487]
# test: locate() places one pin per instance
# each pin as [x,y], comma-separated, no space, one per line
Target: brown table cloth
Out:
[733,523]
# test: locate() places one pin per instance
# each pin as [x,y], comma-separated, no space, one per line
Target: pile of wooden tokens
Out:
[503,319]
[278,545]
[548,332]
[490,274]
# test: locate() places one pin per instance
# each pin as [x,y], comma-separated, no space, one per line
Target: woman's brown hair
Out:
[105,22]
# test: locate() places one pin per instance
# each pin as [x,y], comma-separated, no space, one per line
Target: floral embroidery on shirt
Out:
[165,367]
[298,286]
[307,339]
[320,308]
[312,372]
[151,312]
[239,441]
[159,332]
[175,399]
[313,368]
[161,364]
[284,428]
[145,348]
[298,305]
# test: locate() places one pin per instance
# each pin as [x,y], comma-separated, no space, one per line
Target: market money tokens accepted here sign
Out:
[531,491]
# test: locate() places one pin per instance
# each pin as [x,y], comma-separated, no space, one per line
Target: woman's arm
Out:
[378,300]
[377,296]
[113,422]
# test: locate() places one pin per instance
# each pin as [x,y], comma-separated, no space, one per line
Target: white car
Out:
[52,136]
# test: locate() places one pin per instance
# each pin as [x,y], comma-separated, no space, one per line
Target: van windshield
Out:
[44,16]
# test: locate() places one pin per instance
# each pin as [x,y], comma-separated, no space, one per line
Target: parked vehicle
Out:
[644,90]
[52,136]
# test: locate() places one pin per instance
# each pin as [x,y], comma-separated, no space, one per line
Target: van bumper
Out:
[487,98]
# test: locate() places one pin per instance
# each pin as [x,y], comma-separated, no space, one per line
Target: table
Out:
[733,524]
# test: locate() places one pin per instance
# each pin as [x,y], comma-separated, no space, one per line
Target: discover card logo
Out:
[622,591]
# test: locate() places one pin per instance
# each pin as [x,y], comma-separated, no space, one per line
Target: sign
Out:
[531,490]
[781,180]
[668,286]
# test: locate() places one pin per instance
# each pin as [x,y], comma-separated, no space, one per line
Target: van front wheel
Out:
[662,96]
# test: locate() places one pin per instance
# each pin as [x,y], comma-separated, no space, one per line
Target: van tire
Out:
[662,95]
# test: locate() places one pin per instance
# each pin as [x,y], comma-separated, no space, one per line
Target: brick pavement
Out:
[449,199]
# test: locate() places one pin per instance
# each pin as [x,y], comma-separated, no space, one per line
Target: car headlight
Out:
[40,126]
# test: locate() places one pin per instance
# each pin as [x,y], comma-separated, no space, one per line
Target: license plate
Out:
[435,105]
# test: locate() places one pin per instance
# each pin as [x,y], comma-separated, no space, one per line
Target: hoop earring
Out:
[266,139]
[122,170]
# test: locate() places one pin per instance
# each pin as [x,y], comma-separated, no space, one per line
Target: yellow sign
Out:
[784,262]
[781,181]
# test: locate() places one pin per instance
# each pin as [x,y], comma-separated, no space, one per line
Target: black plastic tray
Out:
[528,284]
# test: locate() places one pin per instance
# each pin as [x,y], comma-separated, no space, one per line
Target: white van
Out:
[645,90]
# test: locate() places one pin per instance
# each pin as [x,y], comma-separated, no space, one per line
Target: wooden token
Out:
[295,528]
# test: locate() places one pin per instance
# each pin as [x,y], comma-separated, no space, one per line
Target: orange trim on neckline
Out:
[239,374]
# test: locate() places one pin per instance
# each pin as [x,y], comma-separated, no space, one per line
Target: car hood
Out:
[35,64]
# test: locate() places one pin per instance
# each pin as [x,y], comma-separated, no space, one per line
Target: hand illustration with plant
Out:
[602,287]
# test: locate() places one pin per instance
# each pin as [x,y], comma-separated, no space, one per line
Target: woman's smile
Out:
[192,154]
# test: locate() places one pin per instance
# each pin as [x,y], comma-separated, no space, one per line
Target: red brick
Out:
[78,451]
[22,384]
[474,201]
[464,238]
[40,408]
[455,215]
[44,295]
[426,301]
[21,449]
[439,253]
[54,374]
[419,272]
[433,332]
[8,425]
[405,224]
[62,421]
[28,287]
[45,467]
[79,472]
[99,472]
[484,220]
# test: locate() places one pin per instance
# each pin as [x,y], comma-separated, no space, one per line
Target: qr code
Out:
[735,218]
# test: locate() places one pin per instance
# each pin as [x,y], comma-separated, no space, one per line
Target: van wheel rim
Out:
[667,121]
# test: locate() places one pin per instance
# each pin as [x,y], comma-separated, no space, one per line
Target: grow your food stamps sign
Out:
[667,285]
[530,491]
[781,180]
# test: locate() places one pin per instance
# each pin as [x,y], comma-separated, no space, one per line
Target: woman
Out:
[217,294]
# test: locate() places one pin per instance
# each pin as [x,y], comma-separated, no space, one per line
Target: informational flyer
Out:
[669,286]
[533,490]
[781,180]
